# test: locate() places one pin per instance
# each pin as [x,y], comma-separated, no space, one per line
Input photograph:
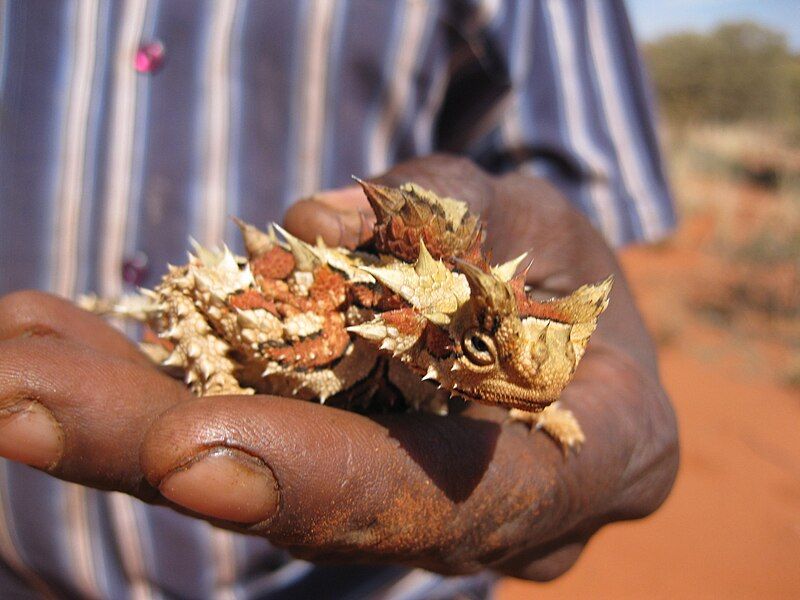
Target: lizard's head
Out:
[478,334]
[471,328]
[512,351]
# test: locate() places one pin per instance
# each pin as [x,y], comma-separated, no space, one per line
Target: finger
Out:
[77,413]
[31,313]
[449,493]
[341,217]
[446,493]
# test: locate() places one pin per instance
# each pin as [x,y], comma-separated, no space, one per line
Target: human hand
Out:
[453,494]
[630,460]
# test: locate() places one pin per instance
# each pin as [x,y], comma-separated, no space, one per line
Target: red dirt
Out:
[731,528]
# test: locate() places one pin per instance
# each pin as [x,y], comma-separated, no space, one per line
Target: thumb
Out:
[342,217]
[331,484]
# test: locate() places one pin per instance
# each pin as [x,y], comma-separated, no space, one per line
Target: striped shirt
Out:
[128,126]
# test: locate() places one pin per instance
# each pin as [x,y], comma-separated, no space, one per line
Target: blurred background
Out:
[722,298]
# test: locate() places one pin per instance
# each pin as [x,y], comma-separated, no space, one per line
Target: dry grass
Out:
[737,252]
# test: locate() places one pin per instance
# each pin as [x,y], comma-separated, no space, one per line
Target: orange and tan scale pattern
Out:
[364,329]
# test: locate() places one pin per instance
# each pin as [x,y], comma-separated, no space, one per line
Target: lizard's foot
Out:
[559,423]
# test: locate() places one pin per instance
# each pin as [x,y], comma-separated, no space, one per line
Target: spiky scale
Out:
[256,242]
[428,302]
[303,253]
[507,270]
[175,359]
[431,373]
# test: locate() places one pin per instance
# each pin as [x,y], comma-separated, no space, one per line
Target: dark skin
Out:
[454,495]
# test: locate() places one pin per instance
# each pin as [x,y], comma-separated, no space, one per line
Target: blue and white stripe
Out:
[257,104]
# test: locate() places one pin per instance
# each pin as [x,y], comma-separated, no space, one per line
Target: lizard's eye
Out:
[478,347]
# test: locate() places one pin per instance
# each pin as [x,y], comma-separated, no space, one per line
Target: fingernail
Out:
[29,434]
[225,484]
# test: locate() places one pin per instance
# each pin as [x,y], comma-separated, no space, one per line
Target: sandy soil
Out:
[731,528]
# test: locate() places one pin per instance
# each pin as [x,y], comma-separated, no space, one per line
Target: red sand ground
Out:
[731,528]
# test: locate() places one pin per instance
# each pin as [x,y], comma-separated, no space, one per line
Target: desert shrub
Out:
[738,72]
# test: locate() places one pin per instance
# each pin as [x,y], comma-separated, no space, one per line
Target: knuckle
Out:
[20,301]
[651,427]
[26,313]
[21,362]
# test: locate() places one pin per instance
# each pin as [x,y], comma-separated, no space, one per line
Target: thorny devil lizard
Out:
[368,329]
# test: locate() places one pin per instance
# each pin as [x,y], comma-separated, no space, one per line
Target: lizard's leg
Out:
[558,422]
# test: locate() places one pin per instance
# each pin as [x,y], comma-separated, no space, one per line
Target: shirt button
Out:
[134,269]
[149,57]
